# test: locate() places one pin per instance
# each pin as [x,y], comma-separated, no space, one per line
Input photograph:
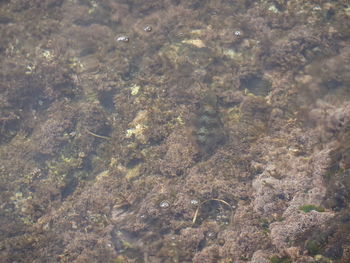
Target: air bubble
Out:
[164,204]
[147,28]
[194,202]
[122,39]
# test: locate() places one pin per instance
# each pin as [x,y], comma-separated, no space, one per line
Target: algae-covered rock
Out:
[174,131]
[308,208]
[138,127]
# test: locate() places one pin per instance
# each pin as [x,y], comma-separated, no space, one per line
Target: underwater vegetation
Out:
[277,259]
[174,131]
[308,208]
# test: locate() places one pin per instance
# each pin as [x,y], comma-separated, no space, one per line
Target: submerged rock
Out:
[209,130]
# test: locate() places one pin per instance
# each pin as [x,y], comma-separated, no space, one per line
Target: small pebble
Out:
[147,28]
[122,39]
[164,204]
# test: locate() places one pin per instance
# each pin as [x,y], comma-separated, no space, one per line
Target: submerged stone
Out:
[256,85]
[209,131]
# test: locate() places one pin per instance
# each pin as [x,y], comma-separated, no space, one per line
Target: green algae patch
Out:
[322,259]
[313,247]
[308,208]
[277,259]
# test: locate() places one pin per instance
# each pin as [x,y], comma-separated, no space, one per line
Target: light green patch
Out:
[195,42]
[137,131]
[75,64]
[308,208]
[93,7]
[102,175]
[273,9]
[138,127]
[135,89]
[133,172]
[321,258]
[232,54]
[180,120]
[48,55]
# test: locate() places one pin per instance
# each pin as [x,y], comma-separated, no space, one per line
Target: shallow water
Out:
[174,131]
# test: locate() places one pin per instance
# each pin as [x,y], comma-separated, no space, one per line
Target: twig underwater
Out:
[98,136]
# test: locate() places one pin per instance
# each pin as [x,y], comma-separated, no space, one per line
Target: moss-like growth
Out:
[120,259]
[321,259]
[315,245]
[308,208]
[277,259]
[312,247]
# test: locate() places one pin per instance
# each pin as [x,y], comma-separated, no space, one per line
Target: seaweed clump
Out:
[277,259]
[111,152]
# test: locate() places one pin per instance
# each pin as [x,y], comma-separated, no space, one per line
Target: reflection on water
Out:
[174,131]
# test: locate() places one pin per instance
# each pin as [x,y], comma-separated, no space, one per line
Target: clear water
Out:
[174,131]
